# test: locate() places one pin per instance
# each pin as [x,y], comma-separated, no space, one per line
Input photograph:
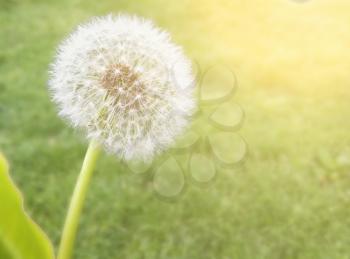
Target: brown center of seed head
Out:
[124,84]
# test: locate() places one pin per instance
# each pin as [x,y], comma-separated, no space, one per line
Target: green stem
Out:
[77,201]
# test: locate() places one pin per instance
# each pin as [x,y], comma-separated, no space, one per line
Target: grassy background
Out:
[291,197]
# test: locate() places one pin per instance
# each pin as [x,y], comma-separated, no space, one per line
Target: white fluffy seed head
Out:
[125,83]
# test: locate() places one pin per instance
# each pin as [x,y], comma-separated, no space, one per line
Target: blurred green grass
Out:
[291,197]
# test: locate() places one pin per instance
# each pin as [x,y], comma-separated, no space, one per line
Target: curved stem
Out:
[77,201]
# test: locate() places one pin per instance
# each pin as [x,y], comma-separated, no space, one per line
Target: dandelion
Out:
[115,78]
[122,81]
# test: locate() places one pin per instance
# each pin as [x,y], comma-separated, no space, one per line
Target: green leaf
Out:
[20,237]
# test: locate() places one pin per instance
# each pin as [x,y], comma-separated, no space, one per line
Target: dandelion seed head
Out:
[115,78]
